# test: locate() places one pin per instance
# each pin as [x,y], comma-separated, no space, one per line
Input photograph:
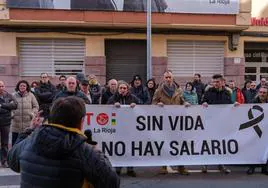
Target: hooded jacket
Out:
[54,156]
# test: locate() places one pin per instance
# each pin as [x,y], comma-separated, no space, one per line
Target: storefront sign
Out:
[176,135]
[259,21]
[175,6]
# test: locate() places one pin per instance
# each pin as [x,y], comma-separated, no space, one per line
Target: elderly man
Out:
[168,93]
[110,91]
[71,90]
[7,104]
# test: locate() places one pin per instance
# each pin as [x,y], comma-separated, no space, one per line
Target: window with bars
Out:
[54,56]
[185,58]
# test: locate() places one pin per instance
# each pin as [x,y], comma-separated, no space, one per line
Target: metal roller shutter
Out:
[188,57]
[125,58]
[53,56]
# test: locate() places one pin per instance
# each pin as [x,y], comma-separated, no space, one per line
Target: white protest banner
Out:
[176,135]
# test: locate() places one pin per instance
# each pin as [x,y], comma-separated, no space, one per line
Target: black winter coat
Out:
[105,96]
[78,94]
[128,99]
[249,94]
[53,157]
[200,90]
[8,103]
[95,92]
[45,94]
[142,93]
[214,96]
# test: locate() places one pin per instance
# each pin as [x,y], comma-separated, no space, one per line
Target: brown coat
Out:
[161,96]
[23,115]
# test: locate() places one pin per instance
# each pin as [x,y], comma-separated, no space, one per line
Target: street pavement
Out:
[150,178]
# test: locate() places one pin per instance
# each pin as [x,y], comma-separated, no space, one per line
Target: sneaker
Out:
[163,170]
[131,173]
[204,169]
[183,171]
[224,170]
[251,171]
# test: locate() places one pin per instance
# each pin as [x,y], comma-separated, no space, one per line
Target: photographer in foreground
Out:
[56,154]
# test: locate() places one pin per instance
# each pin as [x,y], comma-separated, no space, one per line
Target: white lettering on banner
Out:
[149,135]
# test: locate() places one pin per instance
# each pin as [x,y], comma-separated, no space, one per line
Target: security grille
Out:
[53,56]
[186,58]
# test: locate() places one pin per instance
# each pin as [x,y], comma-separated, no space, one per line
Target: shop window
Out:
[264,70]
[250,70]
[250,77]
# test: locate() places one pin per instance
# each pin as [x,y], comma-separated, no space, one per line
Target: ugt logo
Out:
[253,121]
[101,119]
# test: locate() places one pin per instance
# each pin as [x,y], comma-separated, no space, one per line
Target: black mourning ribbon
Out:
[254,121]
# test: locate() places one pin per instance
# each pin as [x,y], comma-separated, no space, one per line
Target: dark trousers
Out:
[14,137]
[4,133]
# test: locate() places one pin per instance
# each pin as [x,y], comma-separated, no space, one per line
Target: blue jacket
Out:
[190,97]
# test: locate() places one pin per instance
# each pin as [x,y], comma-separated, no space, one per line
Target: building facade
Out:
[112,44]
[255,40]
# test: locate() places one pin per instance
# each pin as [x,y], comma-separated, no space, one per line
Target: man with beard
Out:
[61,85]
[168,93]
[139,90]
[71,90]
[199,87]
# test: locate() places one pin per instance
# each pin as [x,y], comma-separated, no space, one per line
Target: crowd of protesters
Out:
[18,109]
